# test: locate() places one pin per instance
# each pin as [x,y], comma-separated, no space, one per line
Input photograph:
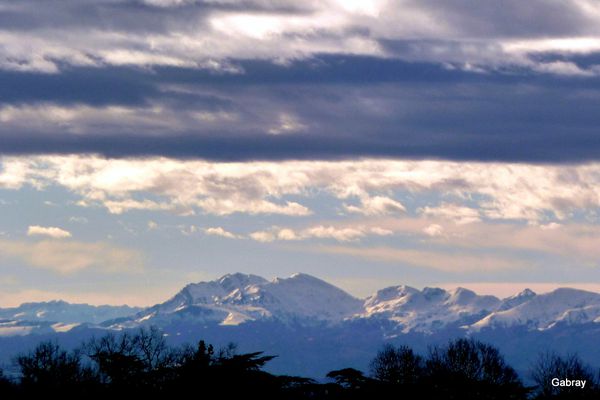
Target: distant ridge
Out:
[302,299]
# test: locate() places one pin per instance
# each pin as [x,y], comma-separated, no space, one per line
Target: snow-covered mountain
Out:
[237,298]
[56,316]
[564,305]
[429,309]
[301,299]
[316,327]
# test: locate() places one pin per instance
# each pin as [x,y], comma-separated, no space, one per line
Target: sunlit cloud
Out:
[497,191]
[218,231]
[340,234]
[50,231]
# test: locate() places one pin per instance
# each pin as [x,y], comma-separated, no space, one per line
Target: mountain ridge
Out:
[238,298]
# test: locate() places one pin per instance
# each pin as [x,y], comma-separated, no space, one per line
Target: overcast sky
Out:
[148,144]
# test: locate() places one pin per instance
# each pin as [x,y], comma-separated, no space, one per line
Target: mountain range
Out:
[292,314]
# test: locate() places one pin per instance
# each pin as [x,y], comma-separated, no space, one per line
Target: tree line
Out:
[143,364]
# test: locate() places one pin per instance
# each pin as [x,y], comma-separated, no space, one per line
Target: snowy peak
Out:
[61,311]
[563,305]
[428,309]
[305,296]
[392,293]
[236,298]
[303,299]
[238,280]
[213,291]
[55,316]
[517,299]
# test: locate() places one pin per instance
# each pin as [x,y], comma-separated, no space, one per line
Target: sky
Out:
[147,144]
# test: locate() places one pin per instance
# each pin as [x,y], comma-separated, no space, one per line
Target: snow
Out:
[60,311]
[544,311]
[60,327]
[429,309]
[236,299]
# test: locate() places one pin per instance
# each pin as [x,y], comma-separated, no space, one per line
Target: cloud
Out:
[417,79]
[487,191]
[218,231]
[349,107]
[376,205]
[460,214]
[207,34]
[433,230]
[50,231]
[340,234]
[570,243]
[262,236]
[287,124]
[479,191]
[70,257]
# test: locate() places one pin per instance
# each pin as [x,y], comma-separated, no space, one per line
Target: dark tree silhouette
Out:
[397,365]
[467,368]
[349,378]
[7,387]
[135,360]
[49,367]
[141,364]
[551,365]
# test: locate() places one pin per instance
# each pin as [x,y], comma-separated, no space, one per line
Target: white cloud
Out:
[340,234]
[218,231]
[460,214]
[262,236]
[433,230]
[50,231]
[381,231]
[376,205]
[330,232]
[501,191]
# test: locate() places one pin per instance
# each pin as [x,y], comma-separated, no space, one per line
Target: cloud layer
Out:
[463,192]
[234,80]
[208,34]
